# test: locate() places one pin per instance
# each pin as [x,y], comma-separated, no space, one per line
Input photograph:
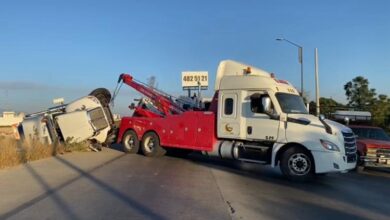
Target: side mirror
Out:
[321,117]
[266,102]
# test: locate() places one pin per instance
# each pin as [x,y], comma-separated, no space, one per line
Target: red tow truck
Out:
[157,117]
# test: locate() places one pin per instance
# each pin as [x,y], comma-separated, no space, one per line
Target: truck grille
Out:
[350,146]
[378,153]
[383,152]
[97,118]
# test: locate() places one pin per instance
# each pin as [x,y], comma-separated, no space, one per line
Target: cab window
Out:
[256,103]
[228,106]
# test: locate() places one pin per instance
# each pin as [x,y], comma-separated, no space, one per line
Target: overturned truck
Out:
[86,119]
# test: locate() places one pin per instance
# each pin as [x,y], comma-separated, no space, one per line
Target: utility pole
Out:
[300,57]
[317,83]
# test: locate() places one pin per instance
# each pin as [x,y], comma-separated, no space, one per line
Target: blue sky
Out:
[52,48]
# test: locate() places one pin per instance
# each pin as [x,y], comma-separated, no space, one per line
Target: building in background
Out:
[11,118]
[9,122]
[117,117]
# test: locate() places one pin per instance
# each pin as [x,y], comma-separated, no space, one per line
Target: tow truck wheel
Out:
[130,142]
[151,145]
[296,164]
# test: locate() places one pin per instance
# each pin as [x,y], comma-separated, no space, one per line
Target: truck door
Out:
[228,115]
[259,126]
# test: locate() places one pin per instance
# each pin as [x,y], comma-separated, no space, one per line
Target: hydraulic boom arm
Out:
[163,102]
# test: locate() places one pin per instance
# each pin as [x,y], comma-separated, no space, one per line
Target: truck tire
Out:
[296,164]
[359,163]
[151,145]
[103,95]
[130,142]
[111,136]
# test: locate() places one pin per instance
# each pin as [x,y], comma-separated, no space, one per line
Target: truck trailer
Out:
[253,117]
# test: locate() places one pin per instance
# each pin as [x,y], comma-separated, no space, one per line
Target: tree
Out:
[305,96]
[327,106]
[381,110]
[358,93]
[362,97]
[312,107]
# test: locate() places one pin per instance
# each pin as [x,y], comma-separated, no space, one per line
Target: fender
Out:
[275,149]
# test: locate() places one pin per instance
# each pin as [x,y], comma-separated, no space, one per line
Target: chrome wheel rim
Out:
[130,142]
[149,144]
[299,164]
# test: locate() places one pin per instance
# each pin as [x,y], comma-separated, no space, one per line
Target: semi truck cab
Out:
[265,119]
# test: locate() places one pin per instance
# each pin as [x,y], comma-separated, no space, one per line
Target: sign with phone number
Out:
[191,79]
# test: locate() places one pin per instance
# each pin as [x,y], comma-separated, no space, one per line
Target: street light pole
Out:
[317,82]
[300,57]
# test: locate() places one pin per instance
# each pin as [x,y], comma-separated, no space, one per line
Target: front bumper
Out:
[377,158]
[327,162]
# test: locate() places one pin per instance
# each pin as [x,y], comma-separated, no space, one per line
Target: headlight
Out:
[329,145]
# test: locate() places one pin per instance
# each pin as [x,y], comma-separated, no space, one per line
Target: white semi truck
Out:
[87,118]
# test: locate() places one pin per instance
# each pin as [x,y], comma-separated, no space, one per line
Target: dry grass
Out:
[14,152]
[6,130]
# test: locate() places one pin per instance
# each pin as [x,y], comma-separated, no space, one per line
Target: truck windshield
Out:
[291,104]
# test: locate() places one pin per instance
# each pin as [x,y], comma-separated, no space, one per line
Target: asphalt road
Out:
[112,185]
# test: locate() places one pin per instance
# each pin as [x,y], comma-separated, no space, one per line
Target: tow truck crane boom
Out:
[163,102]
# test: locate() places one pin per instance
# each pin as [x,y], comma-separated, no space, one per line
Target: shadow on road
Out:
[52,192]
[356,195]
[58,201]
[117,147]
[364,191]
